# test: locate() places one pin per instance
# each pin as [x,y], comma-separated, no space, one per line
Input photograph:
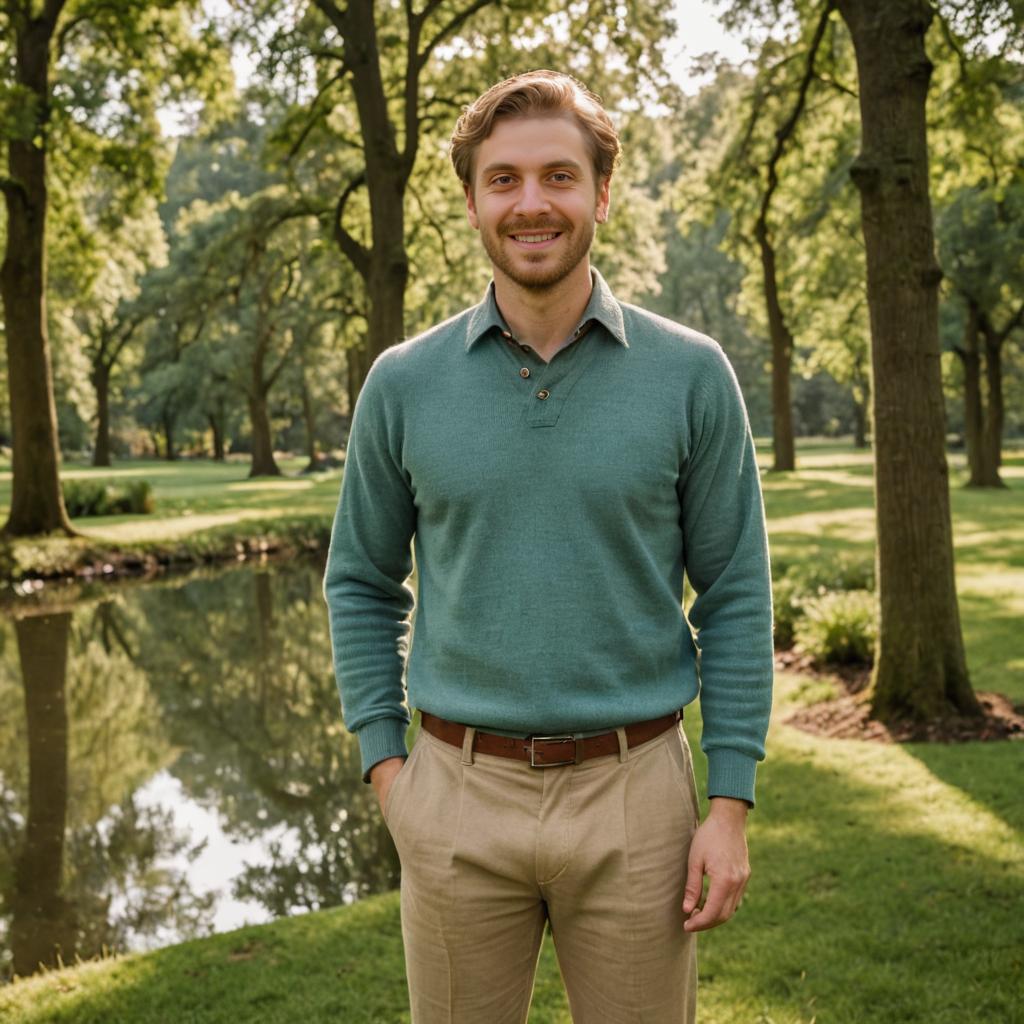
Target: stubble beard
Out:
[545,273]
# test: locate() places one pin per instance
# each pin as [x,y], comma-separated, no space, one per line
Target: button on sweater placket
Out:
[552,386]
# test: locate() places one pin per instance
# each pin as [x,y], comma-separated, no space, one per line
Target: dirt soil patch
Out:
[847,716]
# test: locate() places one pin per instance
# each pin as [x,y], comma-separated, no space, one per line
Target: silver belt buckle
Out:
[563,738]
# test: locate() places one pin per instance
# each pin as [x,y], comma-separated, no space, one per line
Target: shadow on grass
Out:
[992,637]
[864,907]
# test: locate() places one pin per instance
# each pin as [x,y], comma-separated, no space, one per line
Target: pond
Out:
[173,763]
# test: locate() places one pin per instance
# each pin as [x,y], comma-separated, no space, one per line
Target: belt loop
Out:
[623,744]
[467,744]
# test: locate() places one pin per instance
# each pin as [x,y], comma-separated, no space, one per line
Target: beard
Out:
[539,271]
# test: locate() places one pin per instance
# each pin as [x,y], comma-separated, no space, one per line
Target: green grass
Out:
[887,883]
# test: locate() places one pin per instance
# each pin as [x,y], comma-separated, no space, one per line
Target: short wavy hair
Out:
[535,94]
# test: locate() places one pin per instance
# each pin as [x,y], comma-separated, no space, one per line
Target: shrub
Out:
[787,608]
[838,572]
[794,584]
[100,498]
[838,627]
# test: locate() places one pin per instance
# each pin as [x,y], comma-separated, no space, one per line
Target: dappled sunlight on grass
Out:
[275,484]
[132,529]
[839,478]
[856,525]
[916,801]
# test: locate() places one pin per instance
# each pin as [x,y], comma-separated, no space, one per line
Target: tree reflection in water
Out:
[224,681]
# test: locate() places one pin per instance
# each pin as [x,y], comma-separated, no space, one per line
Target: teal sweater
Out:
[553,509]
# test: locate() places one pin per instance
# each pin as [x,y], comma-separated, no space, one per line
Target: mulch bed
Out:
[847,716]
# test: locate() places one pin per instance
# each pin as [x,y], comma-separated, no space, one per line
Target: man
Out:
[558,458]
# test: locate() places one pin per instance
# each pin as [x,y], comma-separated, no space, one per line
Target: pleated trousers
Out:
[492,848]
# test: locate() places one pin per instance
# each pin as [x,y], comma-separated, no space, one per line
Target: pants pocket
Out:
[397,785]
[678,750]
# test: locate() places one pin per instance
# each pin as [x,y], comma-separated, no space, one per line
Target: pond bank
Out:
[28,564]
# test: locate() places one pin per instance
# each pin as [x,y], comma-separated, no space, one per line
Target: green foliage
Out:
[838,627]
[841,571]
[100,498]
[787,608]
[796,587]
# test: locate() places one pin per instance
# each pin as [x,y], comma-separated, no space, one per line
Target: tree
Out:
[90,44]
[982,247]
[122,249]
[920,671]
[783,448]
[37,504]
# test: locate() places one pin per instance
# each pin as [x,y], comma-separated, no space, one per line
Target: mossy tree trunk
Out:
[920,670]
[37,503]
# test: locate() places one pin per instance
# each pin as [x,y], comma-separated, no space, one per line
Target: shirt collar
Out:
[602,307]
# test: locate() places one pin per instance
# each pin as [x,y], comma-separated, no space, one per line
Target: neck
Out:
[544,318]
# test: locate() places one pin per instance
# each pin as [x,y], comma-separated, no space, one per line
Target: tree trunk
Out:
[970,358]
[384,266]
[355,374]
[217,426]
[860,424]
[42,926]
[37,504]
[101,383]
[385,287]
[309,419]
[263,463]
[992,430]
[782,358]
[920,672]
[170,454]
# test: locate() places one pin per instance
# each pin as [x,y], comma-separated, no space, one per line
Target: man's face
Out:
[535,199]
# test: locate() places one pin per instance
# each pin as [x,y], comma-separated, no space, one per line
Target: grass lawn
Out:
[202,509]
[887,887]
[888,881]
[193,495]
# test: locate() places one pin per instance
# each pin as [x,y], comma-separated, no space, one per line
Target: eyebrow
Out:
[550,165]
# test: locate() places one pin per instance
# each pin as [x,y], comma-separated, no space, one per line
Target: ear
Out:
[470,207]
[604,200]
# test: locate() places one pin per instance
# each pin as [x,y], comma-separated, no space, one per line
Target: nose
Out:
[532,199]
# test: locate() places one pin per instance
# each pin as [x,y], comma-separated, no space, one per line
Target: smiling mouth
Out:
[534,239]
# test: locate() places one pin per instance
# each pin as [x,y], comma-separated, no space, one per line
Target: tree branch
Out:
[782,136]
[1010,326]
[313,116]
[51,12]
[433,224]
[453,25]
[357,253]
[13,189]
[333,14]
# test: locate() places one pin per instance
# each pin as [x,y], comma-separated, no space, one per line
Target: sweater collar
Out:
[602,307]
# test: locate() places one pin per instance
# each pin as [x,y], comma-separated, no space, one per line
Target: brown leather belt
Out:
[548,751]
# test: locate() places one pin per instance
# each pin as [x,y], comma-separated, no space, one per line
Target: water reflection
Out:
[173,762]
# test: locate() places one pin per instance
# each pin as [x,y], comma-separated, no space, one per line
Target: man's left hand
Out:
[718,850]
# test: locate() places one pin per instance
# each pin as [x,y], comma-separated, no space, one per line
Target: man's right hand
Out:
[382,775]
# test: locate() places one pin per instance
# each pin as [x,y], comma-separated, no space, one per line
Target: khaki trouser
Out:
[490,847]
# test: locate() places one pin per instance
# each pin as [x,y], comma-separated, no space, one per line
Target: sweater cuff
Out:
[381,738]
[731,773]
